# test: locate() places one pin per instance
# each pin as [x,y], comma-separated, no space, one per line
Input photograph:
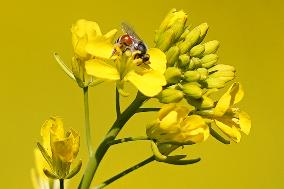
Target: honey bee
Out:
[131,41]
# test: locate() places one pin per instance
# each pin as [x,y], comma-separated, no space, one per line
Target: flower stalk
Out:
[125,172]
[87,121]
[96,158]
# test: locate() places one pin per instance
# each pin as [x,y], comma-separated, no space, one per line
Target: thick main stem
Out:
[96,158]
[125,172]
[117,103]
[87,121]
[61,183]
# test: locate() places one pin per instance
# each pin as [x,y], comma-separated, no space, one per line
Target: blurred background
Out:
[33,87]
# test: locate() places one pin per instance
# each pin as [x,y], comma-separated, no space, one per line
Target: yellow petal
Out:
[100,69]
[245,122]
[193,122]
[169,121]
[150,84]
[157,60]
[84,27]
[234,94]
[99,47]
[110,35]
[231,132]
[63,149]
[167,108]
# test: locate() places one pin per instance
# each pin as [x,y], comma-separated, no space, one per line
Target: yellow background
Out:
[33,88]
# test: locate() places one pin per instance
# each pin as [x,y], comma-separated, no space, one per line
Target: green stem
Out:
[96,158]
[128,139]
[117,103]
[61,181]
[125,172]
[87,121]
[147,110]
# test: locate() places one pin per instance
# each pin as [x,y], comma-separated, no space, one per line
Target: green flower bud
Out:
[173,75]
[221,67]
[170,95]
[190,40]
[165,40]
[206,103]
[211,47]
[194,63]
[191,76]
[183,60]
[222,73]
[172,55]
[185,33]
[178,28]
[203,73]
[202,103]
[192,90]
[218,82]
[209,60]
[197,50]
[175,21]
[203,31]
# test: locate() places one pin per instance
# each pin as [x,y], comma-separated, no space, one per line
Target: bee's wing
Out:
[128,29]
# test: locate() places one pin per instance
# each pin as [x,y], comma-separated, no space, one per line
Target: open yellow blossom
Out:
[231,120]
[89,43]
[148,78]
[59,149]
[175,125]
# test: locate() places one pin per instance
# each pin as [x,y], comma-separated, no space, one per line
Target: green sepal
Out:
[45,155]
[182,162]
[74,171]
[217,136]
[63,66]
[50,174]
[158,155]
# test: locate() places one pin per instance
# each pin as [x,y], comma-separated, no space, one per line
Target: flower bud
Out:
[175,21]
[192,90]
[190,40]
[203,31]
[185,33]
[173,75]
[209,60]
[194,63]
[206,103]
[203,73]
[165,40]
[221,67]
[191,76]
[217,82]
[170,95]
[183,60]
[211,47]
[172,55]
[197,50]
[222,74]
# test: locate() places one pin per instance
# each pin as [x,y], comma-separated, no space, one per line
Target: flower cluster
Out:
[180,67]
[192,70]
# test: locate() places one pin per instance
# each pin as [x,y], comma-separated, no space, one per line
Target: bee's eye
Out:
[126,39]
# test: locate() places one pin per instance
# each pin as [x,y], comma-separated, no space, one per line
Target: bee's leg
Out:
[146,58]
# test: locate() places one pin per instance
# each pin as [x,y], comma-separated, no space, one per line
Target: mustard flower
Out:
[89,43]
[59,149]
[175,125]
[231,121]
[148,78]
